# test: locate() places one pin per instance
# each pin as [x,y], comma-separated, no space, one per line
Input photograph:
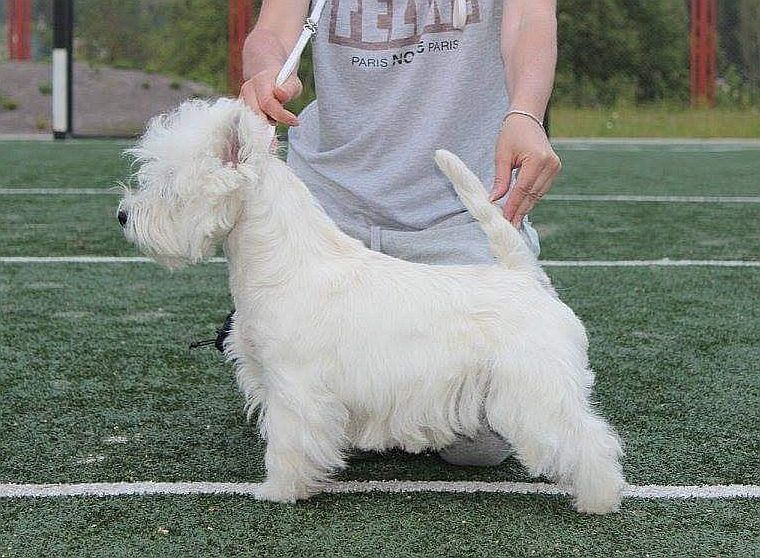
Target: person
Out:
[396,80]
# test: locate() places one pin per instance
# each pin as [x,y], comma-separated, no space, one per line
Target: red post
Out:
[703,47]
[19,29]
[239,23]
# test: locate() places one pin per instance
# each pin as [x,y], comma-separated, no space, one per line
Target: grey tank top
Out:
[394,82]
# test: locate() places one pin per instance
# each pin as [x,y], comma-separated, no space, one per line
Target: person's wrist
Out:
[524,114]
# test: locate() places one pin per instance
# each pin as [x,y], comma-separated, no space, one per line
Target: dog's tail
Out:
[506,243]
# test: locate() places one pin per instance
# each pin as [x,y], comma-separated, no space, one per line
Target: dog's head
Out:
[189,189]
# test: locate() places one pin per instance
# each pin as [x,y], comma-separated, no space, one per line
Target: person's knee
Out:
[487,449]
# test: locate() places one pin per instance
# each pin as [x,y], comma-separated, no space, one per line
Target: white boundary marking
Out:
[59,191]
[546,263]
[83,260]
[27,137]
[648,492]
[650,263]
[551,197]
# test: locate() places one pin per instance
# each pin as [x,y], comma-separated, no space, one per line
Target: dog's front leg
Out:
[305,436]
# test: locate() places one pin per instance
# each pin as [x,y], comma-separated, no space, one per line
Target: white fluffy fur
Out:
[340,346]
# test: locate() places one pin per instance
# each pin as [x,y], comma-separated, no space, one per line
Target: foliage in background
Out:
[749,40]
[186,38]
[113,32]
[193,41]
[628,51]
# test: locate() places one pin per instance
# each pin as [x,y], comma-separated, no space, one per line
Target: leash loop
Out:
[309,29]
[310,25]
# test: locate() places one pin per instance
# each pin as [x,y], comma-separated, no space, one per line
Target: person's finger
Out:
[251,101]
[502,178]
[276,111]
[248,96]
[272,107]
[289,90]
[542,185]
[526,178]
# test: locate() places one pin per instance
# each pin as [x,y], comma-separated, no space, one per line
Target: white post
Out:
[63,44]
[60,92]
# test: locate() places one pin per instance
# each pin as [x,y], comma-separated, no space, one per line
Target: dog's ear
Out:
[195,145]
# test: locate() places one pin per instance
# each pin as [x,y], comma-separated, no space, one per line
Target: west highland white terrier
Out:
[341,347]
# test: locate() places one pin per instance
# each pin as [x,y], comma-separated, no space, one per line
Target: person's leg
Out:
[458,240]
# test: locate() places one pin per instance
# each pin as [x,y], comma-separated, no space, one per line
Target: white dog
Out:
[340,346]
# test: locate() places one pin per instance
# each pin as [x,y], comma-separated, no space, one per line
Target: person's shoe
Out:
[486,449]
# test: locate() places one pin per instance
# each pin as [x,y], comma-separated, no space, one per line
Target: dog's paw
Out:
[599,503]
[282,493]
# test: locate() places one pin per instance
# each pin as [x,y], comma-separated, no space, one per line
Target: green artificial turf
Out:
[658,170]
[99,384]
[439,525]
[61,225]
[651,170]
[611,231]
[86,225]
[69,164]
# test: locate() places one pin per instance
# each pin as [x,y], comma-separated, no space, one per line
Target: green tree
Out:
[595,51]
[184,38]
[192,42]
[612,50]
[661,53]
[749,40]
[112,32]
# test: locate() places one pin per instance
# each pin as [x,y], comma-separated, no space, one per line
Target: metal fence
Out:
[622,63]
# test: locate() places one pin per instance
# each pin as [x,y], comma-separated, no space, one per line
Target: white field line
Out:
[82,260]
[650,263]
[550,197]
[26,137]
[546,263]
[59,192]
[649,492]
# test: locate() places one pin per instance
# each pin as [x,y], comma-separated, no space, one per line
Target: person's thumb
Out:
[503,177]
[291,89]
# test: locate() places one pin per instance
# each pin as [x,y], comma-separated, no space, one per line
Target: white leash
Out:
[309,28]
[459,17]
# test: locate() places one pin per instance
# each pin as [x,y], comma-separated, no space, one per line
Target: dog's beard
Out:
[176,237]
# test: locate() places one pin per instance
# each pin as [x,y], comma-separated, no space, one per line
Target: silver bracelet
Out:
[534,118]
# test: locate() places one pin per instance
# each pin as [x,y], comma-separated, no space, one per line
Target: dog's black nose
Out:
[122,217]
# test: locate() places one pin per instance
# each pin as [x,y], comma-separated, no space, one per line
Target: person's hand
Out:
[523,145]
[261,95]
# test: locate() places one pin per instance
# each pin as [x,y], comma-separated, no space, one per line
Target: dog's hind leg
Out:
[540,404]
[305,436]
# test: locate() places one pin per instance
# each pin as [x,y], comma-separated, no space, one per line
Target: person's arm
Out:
[264,53]
[529,51]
